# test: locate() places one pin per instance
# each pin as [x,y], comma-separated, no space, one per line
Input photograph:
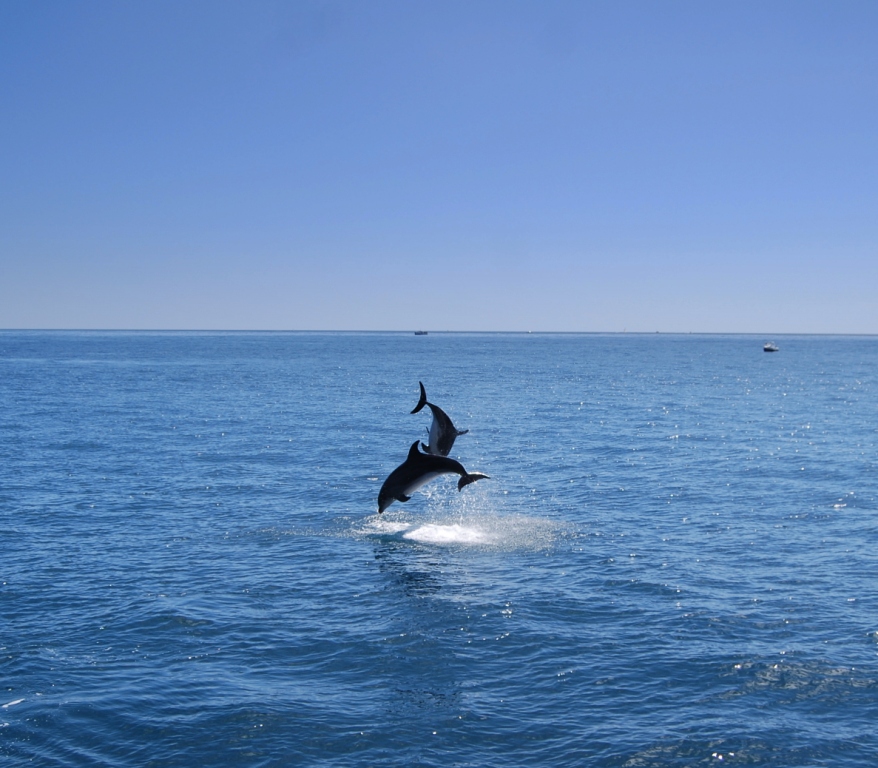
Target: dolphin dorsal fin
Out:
[413,451]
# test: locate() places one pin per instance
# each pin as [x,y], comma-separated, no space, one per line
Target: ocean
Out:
[673,563]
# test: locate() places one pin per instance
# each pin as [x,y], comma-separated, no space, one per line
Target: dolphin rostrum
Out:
[419,469]
[442,432]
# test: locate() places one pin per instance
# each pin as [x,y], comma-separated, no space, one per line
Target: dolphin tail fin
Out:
[422,401]
[471,477]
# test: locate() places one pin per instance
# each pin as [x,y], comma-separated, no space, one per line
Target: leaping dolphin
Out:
[417,470]
[442,431]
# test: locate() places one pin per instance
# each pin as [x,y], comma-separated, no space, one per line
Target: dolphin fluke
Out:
[423,400]
[470,478]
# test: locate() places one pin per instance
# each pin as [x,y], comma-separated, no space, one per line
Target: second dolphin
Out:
[442,431]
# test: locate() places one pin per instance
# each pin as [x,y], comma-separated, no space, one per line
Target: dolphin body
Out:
[417,470]
[442,431]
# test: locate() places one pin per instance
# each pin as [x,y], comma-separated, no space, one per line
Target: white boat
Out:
[770,347]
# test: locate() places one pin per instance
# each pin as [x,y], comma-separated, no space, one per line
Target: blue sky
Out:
[569,166]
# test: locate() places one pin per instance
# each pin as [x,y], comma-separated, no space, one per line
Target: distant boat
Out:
[770,347]
[420,333]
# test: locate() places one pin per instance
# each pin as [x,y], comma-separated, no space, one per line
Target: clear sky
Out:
[568,166]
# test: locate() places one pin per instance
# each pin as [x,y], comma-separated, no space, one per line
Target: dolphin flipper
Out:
[422,401]
[461,431]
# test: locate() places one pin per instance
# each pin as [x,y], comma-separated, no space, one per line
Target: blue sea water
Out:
[673,562]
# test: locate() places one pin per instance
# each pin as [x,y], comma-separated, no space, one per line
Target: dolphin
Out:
[442,431]
[419,469]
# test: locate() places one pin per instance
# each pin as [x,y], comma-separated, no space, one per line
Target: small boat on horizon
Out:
[770,347]
[420,333]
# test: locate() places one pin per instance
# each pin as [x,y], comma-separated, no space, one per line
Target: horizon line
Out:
[413,332]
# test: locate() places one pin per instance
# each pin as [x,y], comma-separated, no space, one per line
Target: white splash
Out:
[384,526]
[444,517]
[427,533]
[482,530]
[433,533]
